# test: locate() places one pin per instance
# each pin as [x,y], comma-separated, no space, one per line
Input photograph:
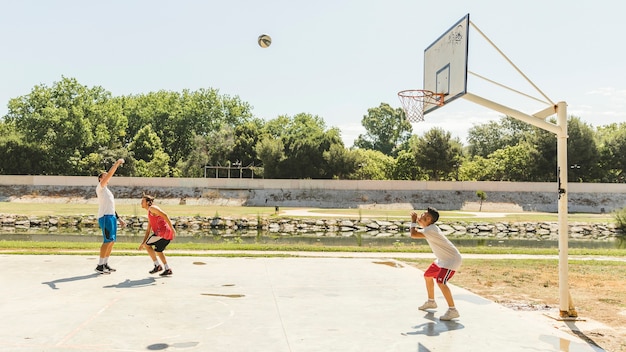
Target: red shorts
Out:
[442,274]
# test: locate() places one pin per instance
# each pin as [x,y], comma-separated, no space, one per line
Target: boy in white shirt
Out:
[107,218]
[443,268]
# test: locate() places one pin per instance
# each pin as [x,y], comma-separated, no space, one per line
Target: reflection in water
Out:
[567,345]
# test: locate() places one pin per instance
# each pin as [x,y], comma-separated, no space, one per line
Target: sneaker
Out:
[428,305]
[102,270]
[108,268]
[167,272]
[450,314]
[156,269]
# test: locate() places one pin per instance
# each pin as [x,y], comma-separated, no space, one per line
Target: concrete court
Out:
[58,303]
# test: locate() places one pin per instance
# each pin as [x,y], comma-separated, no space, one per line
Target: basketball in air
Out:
[265,41]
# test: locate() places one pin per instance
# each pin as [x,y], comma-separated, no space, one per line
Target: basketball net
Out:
[414,101]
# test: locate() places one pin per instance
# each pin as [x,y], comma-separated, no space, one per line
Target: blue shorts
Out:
[108,224]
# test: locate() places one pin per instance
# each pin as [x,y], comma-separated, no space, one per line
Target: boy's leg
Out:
[442,279]
[167,270]
[429,277]
[103,250]
[151,253]
[109,249]
[430,287]
[162,257]
[447,294]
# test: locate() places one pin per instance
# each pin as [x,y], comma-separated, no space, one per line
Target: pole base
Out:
[565,315]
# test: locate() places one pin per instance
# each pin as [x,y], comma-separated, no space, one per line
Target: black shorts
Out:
[159,243]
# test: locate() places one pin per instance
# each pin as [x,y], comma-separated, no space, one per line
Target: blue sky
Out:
[330,58]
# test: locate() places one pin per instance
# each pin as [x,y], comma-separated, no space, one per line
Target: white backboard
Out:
[445,63]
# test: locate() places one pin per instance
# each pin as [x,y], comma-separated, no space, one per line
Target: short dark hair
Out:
[434,214]
[149,199]
[101,174]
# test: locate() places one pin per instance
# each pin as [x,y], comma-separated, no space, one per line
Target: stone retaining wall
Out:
[520,196]
[322,227]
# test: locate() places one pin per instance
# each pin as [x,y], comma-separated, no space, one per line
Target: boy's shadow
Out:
[53,284]
[128,283]
[435,326]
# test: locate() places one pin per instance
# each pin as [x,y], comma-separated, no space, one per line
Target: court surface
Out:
[58,303]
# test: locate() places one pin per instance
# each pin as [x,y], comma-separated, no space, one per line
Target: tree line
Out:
[72,129]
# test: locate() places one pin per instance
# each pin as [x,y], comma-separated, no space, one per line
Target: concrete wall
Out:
[528,196]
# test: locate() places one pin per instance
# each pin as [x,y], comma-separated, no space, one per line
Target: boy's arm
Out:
[145,237]
[122,222]
[413,229]
[105,179]
[416,234]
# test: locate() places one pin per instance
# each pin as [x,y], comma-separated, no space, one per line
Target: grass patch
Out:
[596,288]
[69,209]
[123,248]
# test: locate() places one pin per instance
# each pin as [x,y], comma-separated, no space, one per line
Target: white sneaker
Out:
[450,314]
[428,305]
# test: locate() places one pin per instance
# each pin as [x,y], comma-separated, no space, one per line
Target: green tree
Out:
[544,166]
[611,141]
[487,138]
[246,136]
[157,167]
[305,140]
[194,165]
[482,196]
[179,117]
[373,165]
[406,167]
[476,168]
[68,121]
[343,162]
[220,144]
[437,154]
[387,128]
[19,157]
[581,151]
[271,153]
[511,163]
[150,159]
[583,156]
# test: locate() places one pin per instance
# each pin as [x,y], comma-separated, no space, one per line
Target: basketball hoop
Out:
[414,101]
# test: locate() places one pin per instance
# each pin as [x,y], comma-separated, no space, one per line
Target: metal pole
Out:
[537,122]
[565,305]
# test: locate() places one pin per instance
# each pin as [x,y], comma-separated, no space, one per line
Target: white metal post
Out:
[565,305]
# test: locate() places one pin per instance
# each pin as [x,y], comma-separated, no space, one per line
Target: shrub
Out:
[620,218]
[482,195]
